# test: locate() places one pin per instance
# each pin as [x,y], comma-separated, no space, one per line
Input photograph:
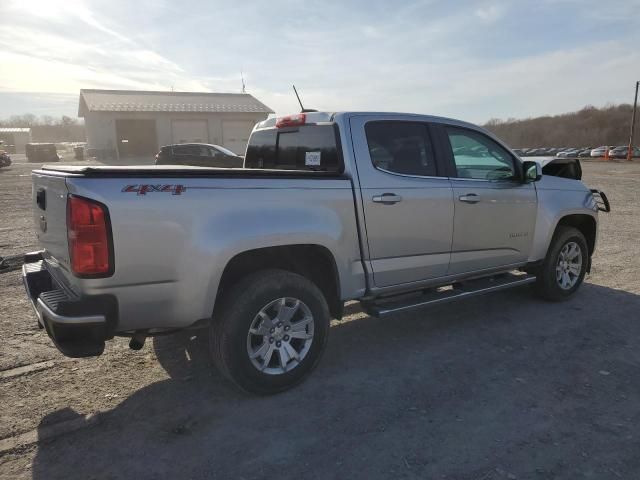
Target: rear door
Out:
[494,211]
[186,154]
[408,206]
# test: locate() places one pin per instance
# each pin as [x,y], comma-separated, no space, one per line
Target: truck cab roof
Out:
[329,117]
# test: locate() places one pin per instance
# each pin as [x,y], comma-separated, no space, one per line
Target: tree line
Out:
[47,128]
[31,120]
[589,127]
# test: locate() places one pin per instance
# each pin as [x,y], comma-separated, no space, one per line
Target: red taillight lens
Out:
[89,237]
[291,120]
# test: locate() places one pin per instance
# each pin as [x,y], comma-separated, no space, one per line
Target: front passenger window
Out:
[478,157]
[203,151]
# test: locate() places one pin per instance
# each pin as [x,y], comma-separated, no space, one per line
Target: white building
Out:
[129,123]
[16,136]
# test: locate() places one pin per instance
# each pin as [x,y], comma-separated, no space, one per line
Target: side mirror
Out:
[532,171]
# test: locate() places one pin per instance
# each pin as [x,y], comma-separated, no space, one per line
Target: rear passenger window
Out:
[310,147]
[400,147]
[186,150]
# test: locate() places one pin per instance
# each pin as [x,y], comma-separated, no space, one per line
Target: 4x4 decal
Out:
[144,189]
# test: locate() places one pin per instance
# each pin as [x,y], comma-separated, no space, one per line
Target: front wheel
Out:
[565,265]
[269,331]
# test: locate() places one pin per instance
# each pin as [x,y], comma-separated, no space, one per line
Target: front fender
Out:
[555,203]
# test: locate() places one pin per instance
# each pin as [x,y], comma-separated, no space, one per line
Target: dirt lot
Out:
[503,386]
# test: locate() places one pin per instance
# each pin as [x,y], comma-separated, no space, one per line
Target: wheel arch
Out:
[312,261]
[585,223]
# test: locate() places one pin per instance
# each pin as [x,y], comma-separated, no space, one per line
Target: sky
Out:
[473,60]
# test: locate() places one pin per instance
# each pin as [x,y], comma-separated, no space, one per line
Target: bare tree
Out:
[589,127]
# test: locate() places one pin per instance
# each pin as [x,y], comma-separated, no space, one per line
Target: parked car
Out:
[569,153]
[600,151]
[586,152]
[41,152]
[198,154]
[5,159]
[534,152]
[335,207]
[621,152]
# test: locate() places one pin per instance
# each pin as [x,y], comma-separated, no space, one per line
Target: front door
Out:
[494,211]
[408,209]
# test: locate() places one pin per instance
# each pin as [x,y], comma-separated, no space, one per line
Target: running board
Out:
[384,306]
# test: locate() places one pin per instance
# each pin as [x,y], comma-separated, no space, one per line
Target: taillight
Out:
[291,120]
[89,235]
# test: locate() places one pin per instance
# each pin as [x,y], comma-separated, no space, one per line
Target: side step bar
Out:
[384,306]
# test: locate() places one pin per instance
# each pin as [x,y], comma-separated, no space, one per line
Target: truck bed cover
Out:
[174,171]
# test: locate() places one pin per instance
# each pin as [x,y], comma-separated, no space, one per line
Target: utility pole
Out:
[633,124]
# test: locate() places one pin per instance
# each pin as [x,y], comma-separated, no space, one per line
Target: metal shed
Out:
[16,137]
[133,125]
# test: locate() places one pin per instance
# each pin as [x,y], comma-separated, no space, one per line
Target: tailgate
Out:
[49,203]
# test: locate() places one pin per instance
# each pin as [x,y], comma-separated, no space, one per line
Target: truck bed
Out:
[172,241]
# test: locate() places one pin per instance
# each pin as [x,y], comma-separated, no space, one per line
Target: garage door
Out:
[235,135]
[189,131]
[136,137]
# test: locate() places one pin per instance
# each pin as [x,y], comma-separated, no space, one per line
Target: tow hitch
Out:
[137,340]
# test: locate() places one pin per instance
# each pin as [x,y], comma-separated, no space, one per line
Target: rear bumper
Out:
[77,325]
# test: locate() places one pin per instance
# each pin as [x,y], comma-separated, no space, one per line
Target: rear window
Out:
[309,147]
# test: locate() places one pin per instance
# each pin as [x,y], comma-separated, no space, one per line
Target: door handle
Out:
[469,198]
[387,198]
[41,198]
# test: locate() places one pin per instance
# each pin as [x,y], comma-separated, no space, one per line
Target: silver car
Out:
[397,211]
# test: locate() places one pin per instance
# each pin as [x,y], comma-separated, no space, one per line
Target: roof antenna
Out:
[302,109]
[244,87]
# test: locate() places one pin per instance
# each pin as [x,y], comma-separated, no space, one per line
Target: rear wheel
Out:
[565,265]
[270,331]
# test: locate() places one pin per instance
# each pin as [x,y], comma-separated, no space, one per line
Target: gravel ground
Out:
[502,386]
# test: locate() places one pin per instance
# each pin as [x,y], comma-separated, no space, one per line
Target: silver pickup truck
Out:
[397,211]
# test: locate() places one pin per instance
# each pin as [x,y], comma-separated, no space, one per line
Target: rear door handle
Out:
[469,198]
[387,198]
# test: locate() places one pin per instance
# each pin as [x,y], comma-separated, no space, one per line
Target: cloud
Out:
[490,13]
[46,58]
[474,61]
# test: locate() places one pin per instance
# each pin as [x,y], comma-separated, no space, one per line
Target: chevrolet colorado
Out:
[397,211]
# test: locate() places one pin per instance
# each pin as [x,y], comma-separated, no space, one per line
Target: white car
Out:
[600,151]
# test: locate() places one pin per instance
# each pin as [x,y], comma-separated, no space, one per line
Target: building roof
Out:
[14,130]
[145,101]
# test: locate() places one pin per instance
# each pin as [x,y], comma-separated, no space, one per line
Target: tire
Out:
[254,304]
[548,283]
